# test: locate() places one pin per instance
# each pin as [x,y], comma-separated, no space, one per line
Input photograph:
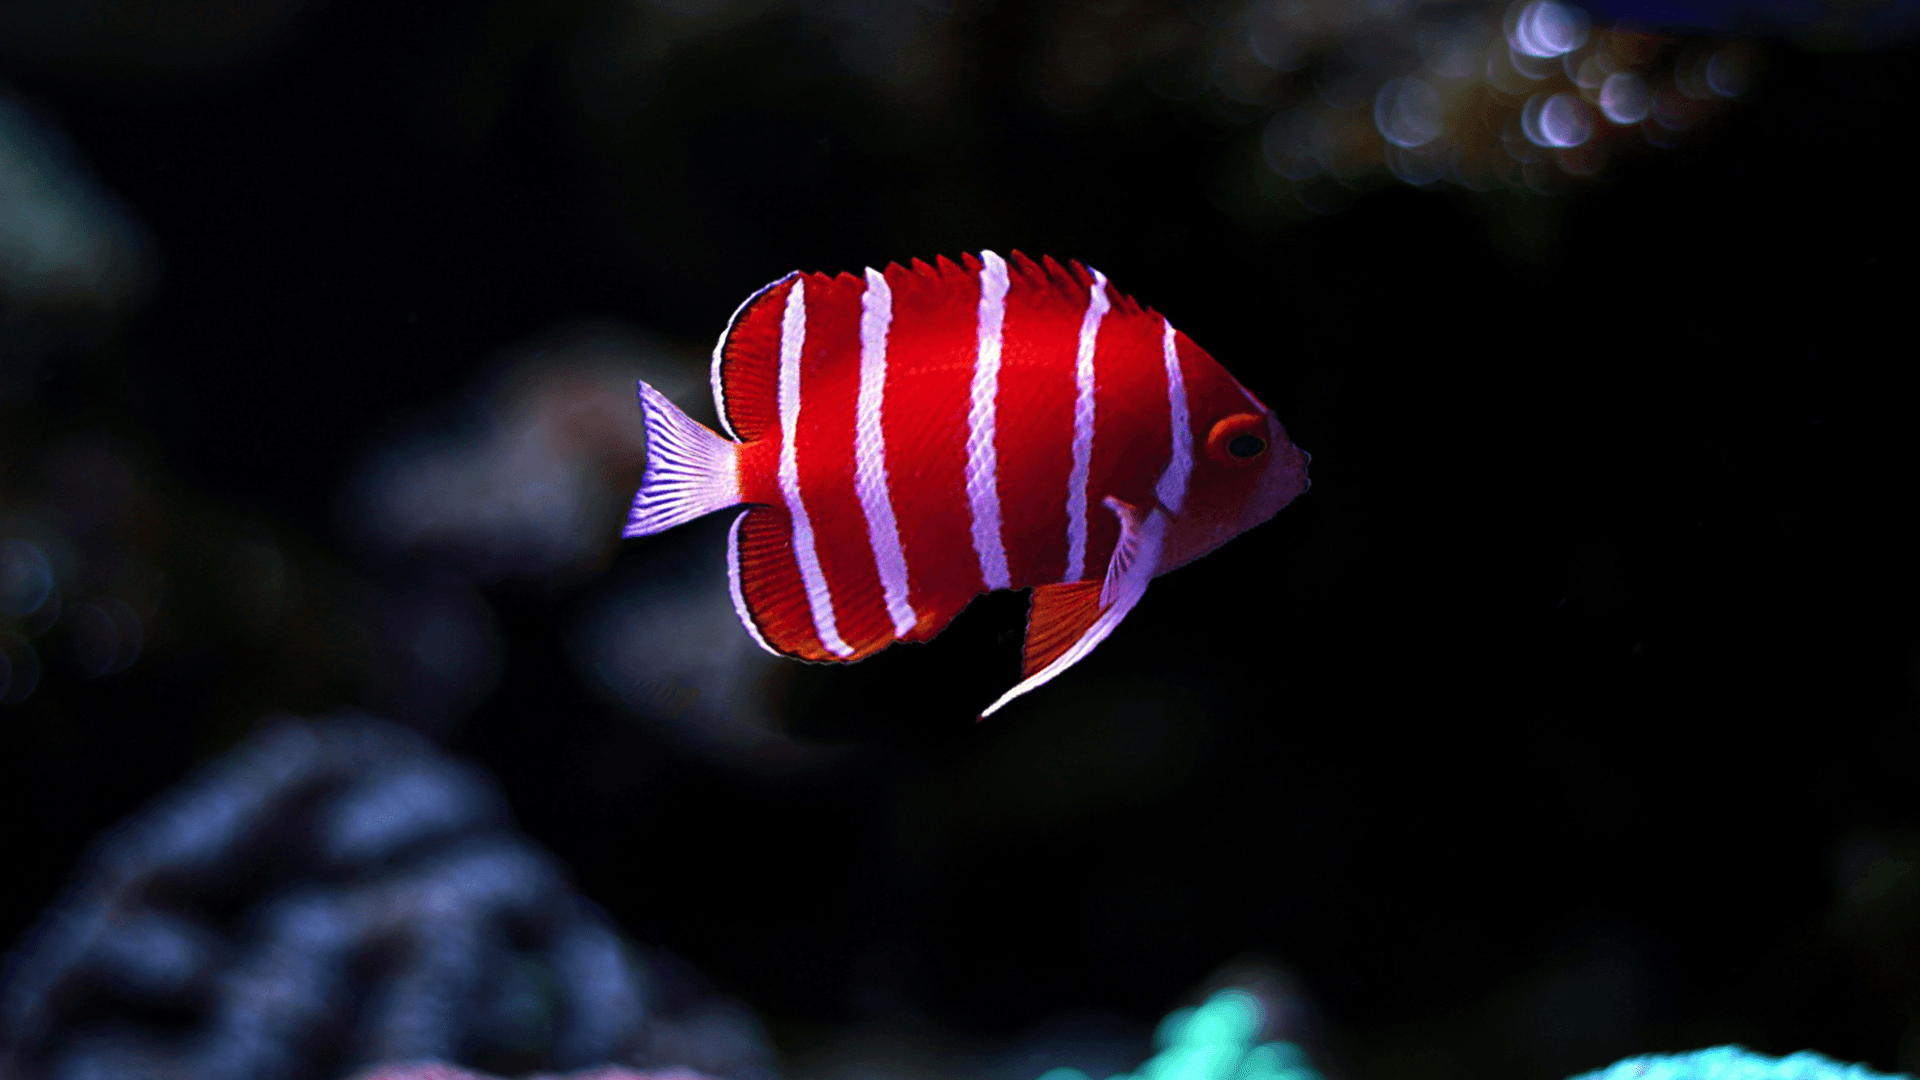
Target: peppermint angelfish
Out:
[906,441]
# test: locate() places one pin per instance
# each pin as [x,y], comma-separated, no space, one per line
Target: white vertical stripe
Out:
[1172,488]
[1083,430]
[983,468]
[793,340]
[870,452]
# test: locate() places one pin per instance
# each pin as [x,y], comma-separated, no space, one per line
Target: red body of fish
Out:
[909,440]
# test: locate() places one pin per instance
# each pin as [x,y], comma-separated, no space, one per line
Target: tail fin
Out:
[690,470]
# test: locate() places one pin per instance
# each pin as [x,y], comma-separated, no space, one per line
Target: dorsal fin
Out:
[1067,284]
[746,360]
[1072,278]
[746,364]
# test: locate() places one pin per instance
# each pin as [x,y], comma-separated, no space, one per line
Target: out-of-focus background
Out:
[1572,714]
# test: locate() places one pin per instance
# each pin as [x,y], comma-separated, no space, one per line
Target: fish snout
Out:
[1284,477]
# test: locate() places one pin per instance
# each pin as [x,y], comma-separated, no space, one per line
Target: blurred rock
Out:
[530,476]
[444,649]
[112,575]
[659,637]
[331,895]
[529,481]
[72,260]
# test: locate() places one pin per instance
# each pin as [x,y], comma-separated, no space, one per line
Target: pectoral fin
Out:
[1060,615]
[1068,620]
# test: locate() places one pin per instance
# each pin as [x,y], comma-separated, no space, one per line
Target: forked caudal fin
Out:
[1068,620]
[691,471]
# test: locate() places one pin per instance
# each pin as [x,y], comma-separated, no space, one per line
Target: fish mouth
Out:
[1283,480]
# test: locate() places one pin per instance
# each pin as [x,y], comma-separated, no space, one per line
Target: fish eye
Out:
[1238,440]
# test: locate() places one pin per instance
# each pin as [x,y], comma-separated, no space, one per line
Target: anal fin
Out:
[1068,620]
[830,625]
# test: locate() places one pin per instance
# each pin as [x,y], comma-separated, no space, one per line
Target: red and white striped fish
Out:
[909,440]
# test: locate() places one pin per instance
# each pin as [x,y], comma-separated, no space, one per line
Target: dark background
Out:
[1571,714]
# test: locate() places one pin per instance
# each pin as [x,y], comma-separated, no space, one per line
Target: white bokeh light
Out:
[1624,98]
[1408,113]
[1727,74]
[1558,121]
[1547,29]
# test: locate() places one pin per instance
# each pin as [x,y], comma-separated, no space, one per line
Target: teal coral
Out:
[1215,1042]
[1733,1063]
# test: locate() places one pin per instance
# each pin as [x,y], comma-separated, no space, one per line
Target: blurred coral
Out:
[1220,1039]
[333,894]
[1732,1063]
[435,1071]
[1216,1041]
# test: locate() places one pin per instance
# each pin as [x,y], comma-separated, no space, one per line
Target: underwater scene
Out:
[959,540]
